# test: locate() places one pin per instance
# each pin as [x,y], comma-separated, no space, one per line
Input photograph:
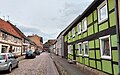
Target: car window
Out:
[9,56]
[2,57]
[12,56]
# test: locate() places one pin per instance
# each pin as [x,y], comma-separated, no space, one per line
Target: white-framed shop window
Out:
[73,32]
[79,28]
[86,49]
[84,24]
[102,12]
[80,48]
[70,49]
[105,47]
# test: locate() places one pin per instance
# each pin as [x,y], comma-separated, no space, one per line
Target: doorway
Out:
[74,53]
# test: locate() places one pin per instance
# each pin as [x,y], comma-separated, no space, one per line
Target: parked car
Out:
[37,52]
[30,54]
[8,61]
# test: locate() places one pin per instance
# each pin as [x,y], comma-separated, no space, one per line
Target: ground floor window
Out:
[4,49]
[69,49]
[105,47]
[80,48]
[86,49]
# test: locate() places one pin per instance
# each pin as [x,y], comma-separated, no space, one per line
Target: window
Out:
[80,48]
[102,12]
[86,48]
[69,35]
[105,47]
[79,28]
[4,36]
[69,49]
[73,32]
[84,25]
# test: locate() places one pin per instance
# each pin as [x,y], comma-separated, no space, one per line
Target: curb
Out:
[59,67]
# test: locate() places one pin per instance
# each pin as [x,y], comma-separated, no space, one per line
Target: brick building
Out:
[37,40]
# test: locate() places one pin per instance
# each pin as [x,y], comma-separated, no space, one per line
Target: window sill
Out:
[84,30]
[80,54]
[79,33]
[86,55]
[106,57]
[69,53]
[101,21]
[73,36]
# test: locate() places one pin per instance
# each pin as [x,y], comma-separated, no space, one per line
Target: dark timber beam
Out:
[117,10]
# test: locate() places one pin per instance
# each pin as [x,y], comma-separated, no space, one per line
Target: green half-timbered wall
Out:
[94,31]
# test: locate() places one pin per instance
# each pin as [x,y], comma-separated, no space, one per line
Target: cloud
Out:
[70,10]
[46,18]
[31,30]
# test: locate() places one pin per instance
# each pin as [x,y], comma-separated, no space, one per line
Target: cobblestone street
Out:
[41,65]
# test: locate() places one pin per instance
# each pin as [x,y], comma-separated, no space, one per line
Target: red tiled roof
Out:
[18,30]
[8,28]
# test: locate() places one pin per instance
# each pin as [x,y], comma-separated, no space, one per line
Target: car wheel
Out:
[26,57]
[10,69]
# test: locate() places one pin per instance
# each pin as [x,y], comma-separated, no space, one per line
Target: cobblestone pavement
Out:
[71,69]
[41,65]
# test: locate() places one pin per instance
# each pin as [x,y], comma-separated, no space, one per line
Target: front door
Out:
[74,53]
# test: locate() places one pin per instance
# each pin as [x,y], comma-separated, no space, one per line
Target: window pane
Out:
[103,13]
[84,25]
[106,47]
[86,49]
[2,57]
[69,48]
[73,32]
[79,28]
[80,49]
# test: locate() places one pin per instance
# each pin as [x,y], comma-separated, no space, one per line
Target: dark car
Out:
[30,54]
[37,52]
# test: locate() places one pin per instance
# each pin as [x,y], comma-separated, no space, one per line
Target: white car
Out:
[8,61]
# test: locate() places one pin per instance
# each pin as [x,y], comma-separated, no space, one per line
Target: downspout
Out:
[118,32]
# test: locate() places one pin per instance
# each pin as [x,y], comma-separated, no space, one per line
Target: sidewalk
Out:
[65,68]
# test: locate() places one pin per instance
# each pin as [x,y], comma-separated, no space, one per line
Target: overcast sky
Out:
[46,18]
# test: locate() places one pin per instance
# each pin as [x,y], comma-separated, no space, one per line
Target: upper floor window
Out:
[12,38]
[79,28]
[69,35]
[80,48]
[73,32]
[102,12]
[4,36]
[86,49]
[105,47]
[84,24]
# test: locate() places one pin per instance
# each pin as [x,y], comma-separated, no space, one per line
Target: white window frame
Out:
[101,50]
[73,32]
[69,49]
[69,36]
[80,49]
[104,4]
[85,26]
[79,28]
[86,42]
